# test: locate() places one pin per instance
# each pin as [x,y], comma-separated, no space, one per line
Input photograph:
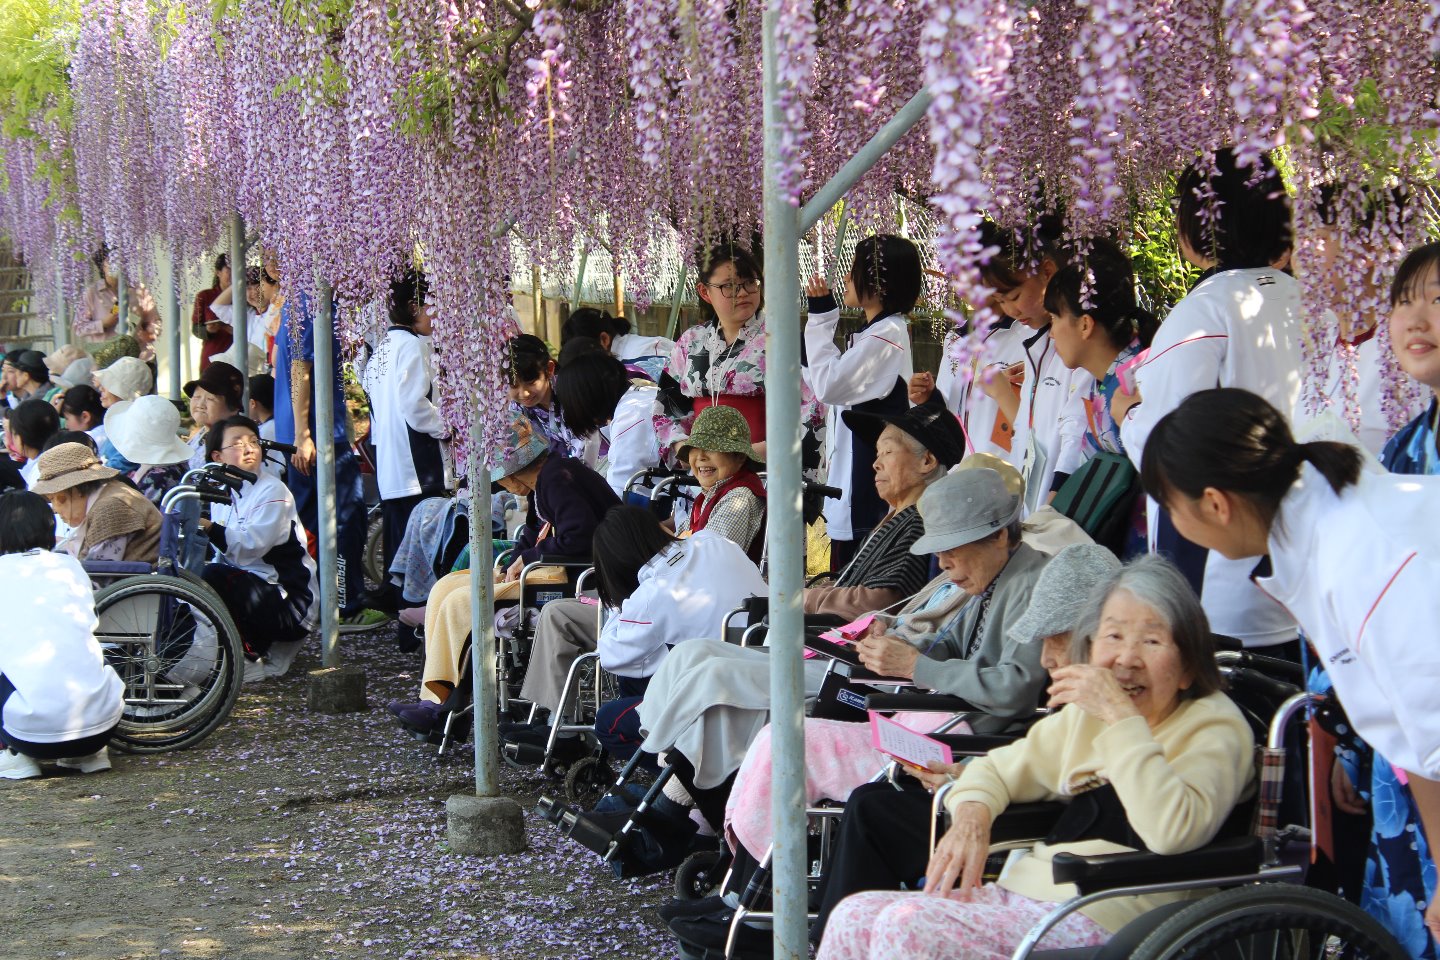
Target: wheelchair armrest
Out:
[973,744]
[562,560]
[117,568]
[1225,858]
[824,621]
[819,579]
[926,702]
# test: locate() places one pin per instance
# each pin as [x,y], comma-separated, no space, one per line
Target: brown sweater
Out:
[120,510]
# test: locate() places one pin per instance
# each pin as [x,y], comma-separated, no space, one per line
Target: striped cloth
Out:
[884,560]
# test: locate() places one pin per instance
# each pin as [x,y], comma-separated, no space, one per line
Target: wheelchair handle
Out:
[235,473]
[277,446]
[829,493]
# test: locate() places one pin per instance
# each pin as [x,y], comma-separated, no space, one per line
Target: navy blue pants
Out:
[47,751]
[350,522]
[259,608]
[617,723]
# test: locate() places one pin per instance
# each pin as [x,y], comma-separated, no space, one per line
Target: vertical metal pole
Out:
[60,326]
[122,303]
[537,304]
[240,314]
[619,286]
[173,332]
[674,320]
[832,275]
[786,530]
[323,378]
[482,620]
[580,278]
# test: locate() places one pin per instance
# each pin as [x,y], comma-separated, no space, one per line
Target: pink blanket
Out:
[838,758]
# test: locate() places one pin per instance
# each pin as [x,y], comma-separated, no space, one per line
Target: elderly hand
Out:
[960,854]
[937,775]
[888,656]
[513,571]
[1094,690]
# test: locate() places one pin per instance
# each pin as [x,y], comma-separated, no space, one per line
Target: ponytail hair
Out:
[1105,278]
[1235,441]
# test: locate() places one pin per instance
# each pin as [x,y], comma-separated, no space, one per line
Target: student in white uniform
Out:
[1354,555]
[647,354]
[262,411]
[987,429]
[871,376]
[59,699]
[266,578]
[1239,327]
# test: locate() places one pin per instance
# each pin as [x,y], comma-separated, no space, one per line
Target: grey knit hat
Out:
[1061,591]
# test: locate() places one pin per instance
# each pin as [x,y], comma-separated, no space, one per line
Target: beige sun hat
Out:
[68,465]
[127,378]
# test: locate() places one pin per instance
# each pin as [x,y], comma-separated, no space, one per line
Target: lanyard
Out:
[1036,385]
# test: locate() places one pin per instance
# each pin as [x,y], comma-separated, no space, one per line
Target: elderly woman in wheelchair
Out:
[1149,755]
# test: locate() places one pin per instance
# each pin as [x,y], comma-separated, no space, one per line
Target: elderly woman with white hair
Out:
[1146,752]
[710,699]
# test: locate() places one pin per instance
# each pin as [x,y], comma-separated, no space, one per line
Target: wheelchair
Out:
[166,632]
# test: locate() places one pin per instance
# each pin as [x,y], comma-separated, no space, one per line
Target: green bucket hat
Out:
[112,350]
[720,430]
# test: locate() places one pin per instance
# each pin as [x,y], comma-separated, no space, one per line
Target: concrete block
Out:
[484,826]
[336,690]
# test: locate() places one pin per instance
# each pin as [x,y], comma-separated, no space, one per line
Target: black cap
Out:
[32,362]
[222,380]
[937,429]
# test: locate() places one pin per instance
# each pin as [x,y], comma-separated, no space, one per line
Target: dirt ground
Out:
[290,834]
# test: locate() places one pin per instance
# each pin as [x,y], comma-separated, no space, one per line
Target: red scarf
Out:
[700,512]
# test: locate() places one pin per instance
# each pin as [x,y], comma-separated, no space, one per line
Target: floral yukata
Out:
[709,371]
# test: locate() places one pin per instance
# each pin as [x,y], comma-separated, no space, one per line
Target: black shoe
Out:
[703,937]
[682,909]
[527,747]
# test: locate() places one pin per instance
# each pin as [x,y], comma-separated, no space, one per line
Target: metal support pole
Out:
[674,320]
[832,276]
[173,332]
[834,191]
[786,531]
[482,620]
[122,303]
[580,278]
[323,378]
[619,286]
[537,304]
[240,312]
[60,326]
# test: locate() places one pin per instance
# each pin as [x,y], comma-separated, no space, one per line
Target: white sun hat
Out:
[146,430]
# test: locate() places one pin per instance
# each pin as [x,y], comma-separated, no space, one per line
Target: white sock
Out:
[676,791]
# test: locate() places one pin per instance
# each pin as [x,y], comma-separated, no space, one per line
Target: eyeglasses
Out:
[243,445]
[733,289]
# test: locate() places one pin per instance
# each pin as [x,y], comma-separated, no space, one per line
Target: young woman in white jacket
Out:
[1238,327]
[266,578]
[1353,556]
[872,375]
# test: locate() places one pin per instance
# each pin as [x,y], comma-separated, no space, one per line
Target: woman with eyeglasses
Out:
[722,363]
[266,577]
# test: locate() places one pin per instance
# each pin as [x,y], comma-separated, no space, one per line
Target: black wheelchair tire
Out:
[692,878]
[1219,926]
[374,558]
[190,724]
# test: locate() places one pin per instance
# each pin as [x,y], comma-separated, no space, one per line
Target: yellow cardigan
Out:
[1178,783]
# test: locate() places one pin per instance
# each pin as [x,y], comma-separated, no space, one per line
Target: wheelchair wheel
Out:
[587,780]
[694,878]
[1271,920]
[179,655]
[374,559]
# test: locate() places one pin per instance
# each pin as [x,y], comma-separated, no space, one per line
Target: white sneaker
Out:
[254,670]
[280,656]
[17,766]
[94,763]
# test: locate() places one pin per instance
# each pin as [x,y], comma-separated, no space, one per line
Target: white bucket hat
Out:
[146,430]
[255,357]
[127,378]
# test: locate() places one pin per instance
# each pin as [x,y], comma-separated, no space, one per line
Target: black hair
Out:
[1018,249]
[26,522]
[887,268]
[587,388]
[99,257]
[262,390]
[221,262]
[1328,197]
[526,358]
[1239,216]
[71,436]
[410,288]
[33,422]
[589,322]
[1111,294]
[747,265]
[215,439]
[1418,266]
[83,398]
[1235,441]
[578,347]
[626,539]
